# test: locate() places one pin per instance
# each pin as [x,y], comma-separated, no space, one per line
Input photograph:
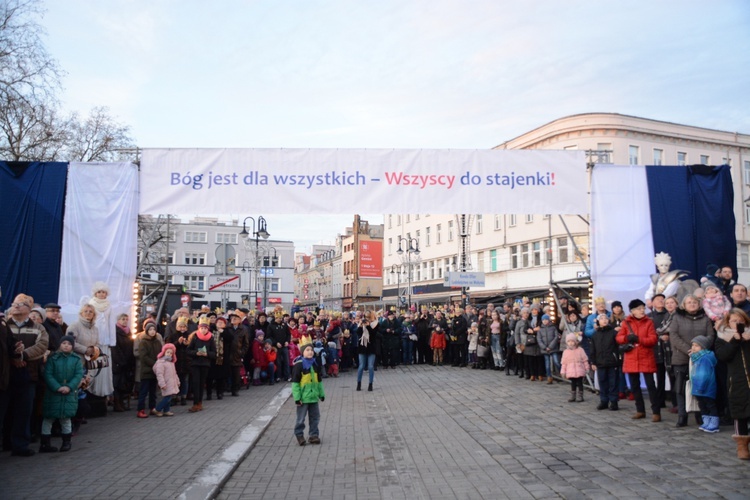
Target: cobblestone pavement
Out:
[121,456]
[428,432]
[424,432]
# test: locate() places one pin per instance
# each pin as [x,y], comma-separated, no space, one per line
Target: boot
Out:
[572,396]
[549,380]
[711,424]
[369,387]
[705,422]
[117,404]
[681,421]
[45,446]
[359,386]
[580,396]
[742,446]
[66,442]
[196,408]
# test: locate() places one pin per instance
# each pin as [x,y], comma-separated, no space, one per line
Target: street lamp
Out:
[271,263]
[413,248]
[397,270]
[262,232]
[246,268]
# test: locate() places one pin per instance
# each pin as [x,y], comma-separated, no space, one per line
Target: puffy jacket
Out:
[641,358]
[166,377]
[62,370]
[438,340]
[548,337]
[574,363]
[604,347]
[240,345]
[197,344]
[307,385]
[736,354]
[702,375]
[148,351]
[683,329]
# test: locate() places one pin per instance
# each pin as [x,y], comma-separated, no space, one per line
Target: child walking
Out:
[167,378]
[62,375]
[437,344]
[307,390]
[703,378]
[575,364]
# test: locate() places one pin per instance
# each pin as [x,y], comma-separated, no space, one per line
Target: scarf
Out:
[364,340]
[219,348]
[167,358]
[204,338]
[307,363]
[100,305]
[725,333]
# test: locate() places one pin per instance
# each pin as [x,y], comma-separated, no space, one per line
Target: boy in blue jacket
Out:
[307,390]
[703,379]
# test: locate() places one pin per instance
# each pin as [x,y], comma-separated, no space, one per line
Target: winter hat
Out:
[636,303]
[303,328]
[259,333]
[546,316]
[41,312]
[711,269]
[571,336]
[268,341]
[702,341]
[303,347]
[616,303]
[164,351]
[705,285]
[70,339]
[474,324]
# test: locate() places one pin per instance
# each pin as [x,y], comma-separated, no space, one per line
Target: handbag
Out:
[482,351]
[531,339]
[97,361]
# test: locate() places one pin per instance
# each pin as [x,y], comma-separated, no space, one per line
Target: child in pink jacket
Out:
[575,365]
[166,377]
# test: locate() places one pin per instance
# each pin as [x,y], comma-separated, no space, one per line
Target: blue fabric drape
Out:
[692,216]
[32,197]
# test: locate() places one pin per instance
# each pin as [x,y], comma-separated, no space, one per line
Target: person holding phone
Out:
[733,347]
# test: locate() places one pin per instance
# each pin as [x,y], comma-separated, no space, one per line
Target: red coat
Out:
[641,359]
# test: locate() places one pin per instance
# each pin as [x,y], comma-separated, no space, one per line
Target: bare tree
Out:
[32,127]
[98,138]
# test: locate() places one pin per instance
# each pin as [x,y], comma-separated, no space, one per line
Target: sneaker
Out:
[168,414]
[157,413]
[602,405]
[142,414]
[314,440]
[631,397]
[656,418]
[153,411]
[638,416]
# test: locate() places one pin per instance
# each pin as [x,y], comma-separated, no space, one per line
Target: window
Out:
[633,155]
[195,282]
[537,251]
[529,218]
[480,262]
[416,217]
[744,255]
[562,250]
[747,215]
[273,284]
[195,237]
[432,269]
[390,246]
[230,238]
[525,255]
[390,221]
[447,265]
[681,158]
[705,160]
[514,257]
[398,220]
[427,236]
[546,216]
[437,233]
[605,157]
[512,222]
[419,241]
[450,230]
[547,252]
[193,258]
[270,261]
[498,222]
[479,224]
[493,260]
[658,156]
[408,218]
[726,161]
[172,236]
[746,171]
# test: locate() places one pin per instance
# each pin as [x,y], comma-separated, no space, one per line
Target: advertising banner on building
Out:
[370,259]
[342,181]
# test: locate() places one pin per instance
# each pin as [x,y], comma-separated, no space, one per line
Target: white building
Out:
[214,263]
[523,253]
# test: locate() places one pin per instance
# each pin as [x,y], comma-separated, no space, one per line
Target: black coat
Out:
[604,348]
[55,333]
[736,354]
[196,344]
[460,329]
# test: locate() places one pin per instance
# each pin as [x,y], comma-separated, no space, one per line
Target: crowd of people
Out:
[692,355]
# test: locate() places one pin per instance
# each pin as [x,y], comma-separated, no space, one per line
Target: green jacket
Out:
[62,370]
[307,385]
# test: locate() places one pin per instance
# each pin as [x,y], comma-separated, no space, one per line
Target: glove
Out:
[322,399]
[298,403]
[633,338]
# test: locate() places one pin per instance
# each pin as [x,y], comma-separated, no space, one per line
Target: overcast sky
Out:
[394,74]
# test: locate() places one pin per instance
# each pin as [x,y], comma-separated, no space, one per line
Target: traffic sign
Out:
[223,282]
[464,279]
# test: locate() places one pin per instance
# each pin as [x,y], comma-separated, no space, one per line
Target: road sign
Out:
[266,271]
[464,279]
[223,282]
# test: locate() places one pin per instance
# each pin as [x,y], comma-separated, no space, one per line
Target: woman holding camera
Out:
[733,347]
[688,322]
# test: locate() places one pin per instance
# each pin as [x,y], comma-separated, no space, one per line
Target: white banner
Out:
[345,181]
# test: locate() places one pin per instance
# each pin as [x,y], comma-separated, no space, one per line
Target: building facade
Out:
[521,254]
[216,266]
